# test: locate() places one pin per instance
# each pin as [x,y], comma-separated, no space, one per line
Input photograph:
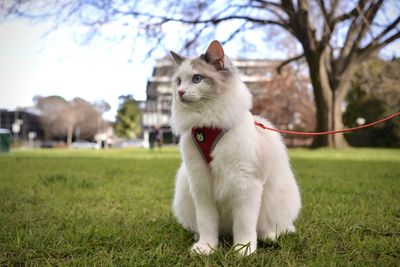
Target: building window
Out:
[166,103]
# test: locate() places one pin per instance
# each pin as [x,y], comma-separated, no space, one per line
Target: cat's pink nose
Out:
[181,93]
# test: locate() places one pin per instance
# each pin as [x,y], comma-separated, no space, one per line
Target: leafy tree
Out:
[129,118]
[101,106]
[286,101]
[335,36]
[375,93]
[52,119]
[62,118]
[87,118]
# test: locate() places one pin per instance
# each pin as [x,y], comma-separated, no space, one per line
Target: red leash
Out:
[329,132]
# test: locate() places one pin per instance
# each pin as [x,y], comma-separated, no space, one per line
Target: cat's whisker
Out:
[210,97]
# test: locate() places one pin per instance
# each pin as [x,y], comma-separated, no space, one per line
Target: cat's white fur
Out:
[248,190]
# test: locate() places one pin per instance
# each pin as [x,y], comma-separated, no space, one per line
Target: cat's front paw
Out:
[246,249]
[202,249]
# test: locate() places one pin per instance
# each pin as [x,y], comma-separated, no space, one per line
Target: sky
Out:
[56,64]
[33,64]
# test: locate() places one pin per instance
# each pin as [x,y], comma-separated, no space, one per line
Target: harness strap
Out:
[206,139]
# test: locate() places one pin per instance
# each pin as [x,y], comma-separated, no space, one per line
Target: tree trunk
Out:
[69,134]
[337,140]
[323,110]
[328,102]
[329,118]
[340,90]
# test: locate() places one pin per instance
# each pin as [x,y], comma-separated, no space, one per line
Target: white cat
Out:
[235,177]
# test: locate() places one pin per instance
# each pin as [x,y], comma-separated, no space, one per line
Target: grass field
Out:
[65,207]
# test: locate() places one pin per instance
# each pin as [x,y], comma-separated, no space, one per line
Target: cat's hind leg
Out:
[183,205]
[280,206]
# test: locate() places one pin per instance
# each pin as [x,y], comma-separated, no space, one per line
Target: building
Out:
[157,110]
[24,124]
[256,74]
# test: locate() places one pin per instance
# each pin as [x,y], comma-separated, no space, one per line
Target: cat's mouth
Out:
[189,100]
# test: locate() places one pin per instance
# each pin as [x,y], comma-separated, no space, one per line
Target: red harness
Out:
[206,139]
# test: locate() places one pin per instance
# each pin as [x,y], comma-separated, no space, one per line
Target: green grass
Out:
[66,207]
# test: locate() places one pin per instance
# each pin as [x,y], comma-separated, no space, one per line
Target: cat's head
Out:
[207,86]
[203,78]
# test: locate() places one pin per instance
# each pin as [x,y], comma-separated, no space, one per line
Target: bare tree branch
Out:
[321,4]
[233,34]
[189,43]
[212,20]
[274,9]
[268,3]
[367,19]
[373,46]
[386,30]
[352,14]
[284,63]
[232,17]
[305,31]
[353,29]
[328,25]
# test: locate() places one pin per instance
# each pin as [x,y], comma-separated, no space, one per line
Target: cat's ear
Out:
[177,58]
[215,55]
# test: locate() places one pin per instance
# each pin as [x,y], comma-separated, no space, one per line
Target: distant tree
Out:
[61,118]
[101,106]
[374,93]
[88,119]
[287,101]
[129,119]
[52,115]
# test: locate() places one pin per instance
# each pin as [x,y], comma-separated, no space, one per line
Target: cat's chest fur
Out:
[234,152]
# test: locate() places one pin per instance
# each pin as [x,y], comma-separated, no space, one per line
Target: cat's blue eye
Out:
[197,78]
[178,81]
